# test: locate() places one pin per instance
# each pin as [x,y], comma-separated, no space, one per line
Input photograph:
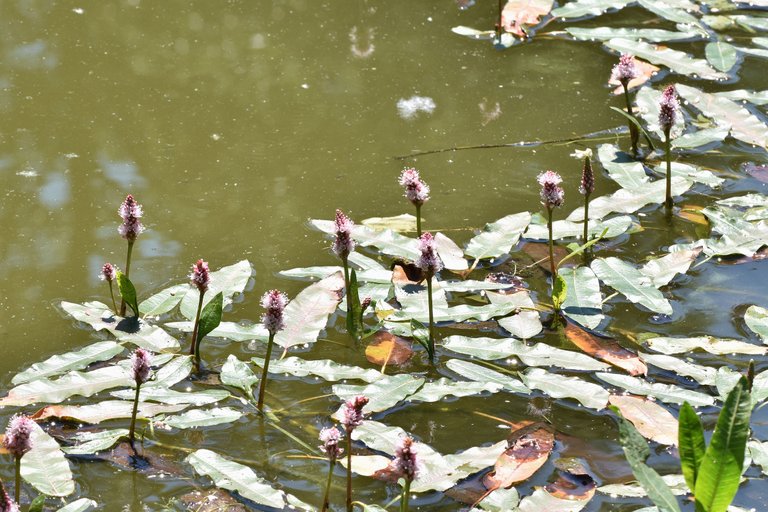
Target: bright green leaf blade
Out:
[354,311]
[691,444]
[721,55]
[76,360]
[127,292]
[210,317]
[720,470]
[37,504]
[45,467]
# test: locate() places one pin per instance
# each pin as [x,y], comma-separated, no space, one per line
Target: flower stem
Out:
[668,151]
[18,480]
[193,349]
[263,383]
[112,294]
[132,431]
[633,134]
[418,220]
[127,274]
[349,470]
[345,263]
[431,319]
[326,501]
[404,497]
[586,218]
[552,268]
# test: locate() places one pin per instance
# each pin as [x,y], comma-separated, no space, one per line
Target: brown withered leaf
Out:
[759,255]
[606,349]
[646,72]
[405,273]
[515,283]
[215,500]
[386,348]
[692,213]
[518,13]
[539,251]
[572,486]
[528,450]
[653,421]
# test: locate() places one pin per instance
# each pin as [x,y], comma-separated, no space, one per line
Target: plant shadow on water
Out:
[507,371]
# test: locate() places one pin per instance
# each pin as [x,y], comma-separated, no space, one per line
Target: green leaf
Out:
[704,375]
[232,476]
[94,442]
[662,270]
[354,311]
[557,386]
[721,55]
[677,11]
[45,467]
[559,291]
[477,373]
[498,238]
[525,323]
[164,395]
[542,499]
[756,98]
[307,314]
[667,393]
[636,451]
[326,369]
[106,410]
[583,303]
[202,418]
[700,138]
[691,444]
[164,301]
[717,346]
[631,283]
[450,253]
[383,393]
[721,467]
[238,374]
[676,61]
[580,8]
[653,35]
[127,292]
[613,227]
[632,119]
[228,330]
[80,505]
[37,504]
[230,281]
[403,222]
[386,240]
[676,484]
[210,318]
[79,359]
[437,390]
[756,319]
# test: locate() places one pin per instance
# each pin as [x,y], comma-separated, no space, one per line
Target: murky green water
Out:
[235,122]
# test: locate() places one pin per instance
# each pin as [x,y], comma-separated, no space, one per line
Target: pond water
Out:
[233,123]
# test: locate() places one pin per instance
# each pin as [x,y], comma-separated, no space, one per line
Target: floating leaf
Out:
[756,98]
[385,348]
[701,374]
[615,226]
[631,283]
[653,421]
[73,383]
[662,270]
[580,8]
[676,61]
[606,349]
[168,396]
[79,359]
[584,302]
[538,354]
[403,222]
[517,14]
[676,484]
[93,442]
[756,319]
[721,55]
[102,411]
[383,393]
[228,330]
[665,392]
[525,323]
[236,477]
[551,499]
[164,301]
[202,418]
[80,505]
[450,253]
[45,467]
[759,453]
[717,346]
[499,237]
[326,369]
[653,35]
[239,375]
[477,373]
[692,172]
[229,281]
[558,386]
[700,138]
[528,448]
[386,240]
[307,314]
[441,388]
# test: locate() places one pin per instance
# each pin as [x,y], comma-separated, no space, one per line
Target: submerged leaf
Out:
[606,349]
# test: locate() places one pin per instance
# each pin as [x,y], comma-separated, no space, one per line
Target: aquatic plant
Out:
[131,212]
[274,301]
[109,274]
[352,416]
[669,109]
[416,191]
[552,196]
[430,264]
[624,72]
[330,437]
[141,370]
[586,187]
[406,466]
[18,441]
[6,503]
[200,278]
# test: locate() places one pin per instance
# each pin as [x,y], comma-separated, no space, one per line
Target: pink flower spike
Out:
[669,108]
[344,244]
[330,437]
[429,261]
[18,434]
[552,194]
[274,301]
[416,190]
[352,412]
[131,212]
[108,273]
[626,70]
[141,365]
[6,502]
[406,463]
[587,178]
[200,276]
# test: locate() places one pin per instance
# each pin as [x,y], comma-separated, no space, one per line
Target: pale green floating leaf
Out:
[386,240]
[81,505]
[232,476]
[580,8]
[176,370]
[584,302]
[700,138]
[238,374]
[745,201]
[615,226]
[676,484]
[164,301]
[230,281]
[45,467]
[471,285]
[307,314]
[667,393]
[675,11]
[77,360]
[704,375]
[653,35]
[621,167]
[721,55]
[738,235]
[474,33]
[541,500]
[382,394]
[759,453]
[692,172]
[557,386]
[631,283]
[71,384]
[744,125]
[756,98]
[444,313]
[168,396]
[498,238]
[500,500]
[381,276]
[756,318]
[437,390]
[526,323]
[717,346]
[477,373]
[450,253]
[403,222]
[676,61]
[93,442]
[228,330]
[538,354]
[106,410]
[202,418]
[326,369]
[759,23]
[662,270]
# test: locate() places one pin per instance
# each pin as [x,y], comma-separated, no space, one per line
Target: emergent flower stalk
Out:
[552,196]
[352,417]
[416,191]
[405,465]
[18,441]
[430,264]
[108,274]
[330,437]
[624,72]
[141,370]
[200,277]
[131,213]
[344,244]
[274,302]
[669,109]
[586,187]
